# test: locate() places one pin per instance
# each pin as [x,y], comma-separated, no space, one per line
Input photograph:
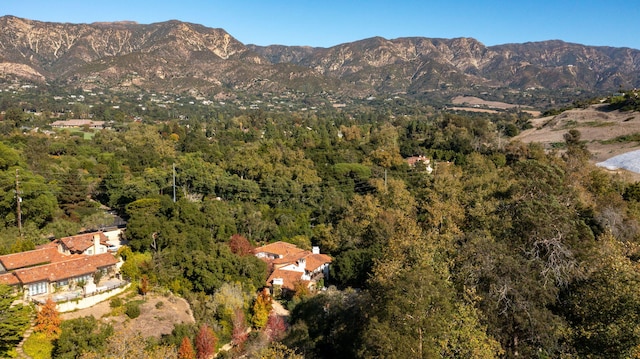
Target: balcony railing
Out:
[78,294]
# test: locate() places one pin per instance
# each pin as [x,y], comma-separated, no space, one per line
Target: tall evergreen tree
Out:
[14,319]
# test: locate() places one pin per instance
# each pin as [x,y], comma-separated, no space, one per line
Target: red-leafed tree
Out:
[240,333]
[186,349]
[206,341]
[48,320]
[275,327]
[240,245]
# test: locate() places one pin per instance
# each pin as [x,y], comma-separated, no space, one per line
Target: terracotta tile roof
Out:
[74,267]
[279,248]
[291,257]
[30,258]
[290,254]
[51,244]
[289,278]
[81,242]
[411,161]
[314,261]
[103,260]
[9,279]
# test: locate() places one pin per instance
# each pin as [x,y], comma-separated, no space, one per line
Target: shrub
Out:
[115,302]
[159,305]
[38,346]
[81,335]
[132,310]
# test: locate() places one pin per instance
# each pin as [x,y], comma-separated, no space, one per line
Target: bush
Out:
[132,309]
[38,346]
[115,302]
[81,335]
[159,305]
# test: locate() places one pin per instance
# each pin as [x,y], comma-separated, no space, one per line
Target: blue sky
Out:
[330,22]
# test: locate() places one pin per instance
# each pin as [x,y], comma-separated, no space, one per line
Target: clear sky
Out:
[331,22]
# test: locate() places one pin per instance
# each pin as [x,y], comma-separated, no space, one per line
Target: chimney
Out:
[96,243]
[315,250]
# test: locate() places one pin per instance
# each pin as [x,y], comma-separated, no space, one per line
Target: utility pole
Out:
[18,200]
[385,180]
[174,183]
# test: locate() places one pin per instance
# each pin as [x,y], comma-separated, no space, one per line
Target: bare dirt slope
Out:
[476,101]
[595,125]
[154,319]
[476,104]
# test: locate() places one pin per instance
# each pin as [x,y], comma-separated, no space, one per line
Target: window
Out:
[85,278]
[37,288]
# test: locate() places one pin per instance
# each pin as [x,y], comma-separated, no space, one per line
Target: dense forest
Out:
[503,250]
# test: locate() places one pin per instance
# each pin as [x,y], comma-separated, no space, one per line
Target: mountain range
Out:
[178,57]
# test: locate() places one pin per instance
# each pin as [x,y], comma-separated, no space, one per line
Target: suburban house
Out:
[87,243]
[290,264]
[78,123]
[61,265]
[412,161]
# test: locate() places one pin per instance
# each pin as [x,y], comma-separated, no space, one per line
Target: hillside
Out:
[607,133]
[177,57]
[155,319]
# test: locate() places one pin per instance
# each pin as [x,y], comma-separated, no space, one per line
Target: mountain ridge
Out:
[178,56]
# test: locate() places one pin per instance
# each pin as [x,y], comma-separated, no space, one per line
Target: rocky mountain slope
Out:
[175,56]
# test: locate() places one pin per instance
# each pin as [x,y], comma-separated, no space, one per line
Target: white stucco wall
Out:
[89,301]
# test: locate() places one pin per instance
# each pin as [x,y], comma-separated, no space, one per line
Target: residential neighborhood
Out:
[167,191]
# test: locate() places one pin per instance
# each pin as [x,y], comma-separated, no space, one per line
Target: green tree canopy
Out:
[14,319]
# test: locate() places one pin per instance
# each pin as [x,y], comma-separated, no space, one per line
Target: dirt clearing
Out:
[155,319]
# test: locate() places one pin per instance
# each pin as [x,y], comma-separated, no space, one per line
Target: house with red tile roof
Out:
[32,258]
[291,264]
[64,263]
[86,243]
[277,250]
[413,161]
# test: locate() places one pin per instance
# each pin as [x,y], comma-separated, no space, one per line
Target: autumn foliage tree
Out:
[240,333]
[186,350]
[275,327]
[261,309]
[48,320]
[240,245]
[301,289]
[206,341]
[144,285]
